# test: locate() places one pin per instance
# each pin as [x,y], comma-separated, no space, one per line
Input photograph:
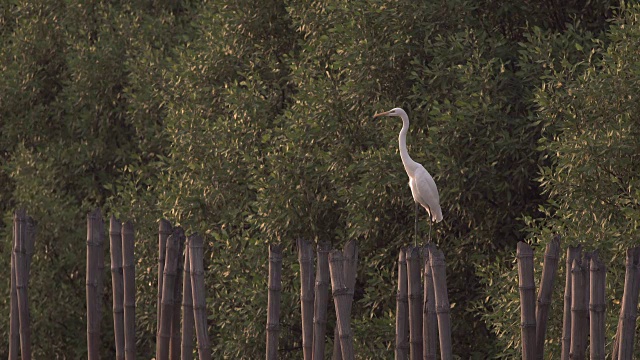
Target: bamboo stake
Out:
[597,308]
[549,272]
[305,258]
[402,310]
[415,303]
[527,301]
[187,309]
[578,312]
[586,260]
[323,281]
[94,243]
[129,279]
[629,310]
[21,281]
[340,292]
[174,344]
[573,252]
[117,285]
[196,255]
[429,317]
[350,265]
[14,322]
[273,302]
[443,309]
[168,290]
[164,230]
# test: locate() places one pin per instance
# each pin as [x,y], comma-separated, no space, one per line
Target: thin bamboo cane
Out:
[174,344]
[14,325]
[429,317]
[549,272]
[443,309]
[578,312]
[196,255]
[22,279]
[100,278]
[415,303]
[573,252]
[597,308]
[629,310]
[586,260]
[341,300]
[402,309]
[323,281]
[305,259]
[527,301]
[187,309]
[168,290]
[94,243]
[273,302]
[129,279]
[117,285]
[350,265]
[164,230]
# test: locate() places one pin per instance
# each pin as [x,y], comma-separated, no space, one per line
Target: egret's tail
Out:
[436,214]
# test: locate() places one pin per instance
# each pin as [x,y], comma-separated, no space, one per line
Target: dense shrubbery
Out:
[250,122]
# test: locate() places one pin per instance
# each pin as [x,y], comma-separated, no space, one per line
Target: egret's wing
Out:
[427,190]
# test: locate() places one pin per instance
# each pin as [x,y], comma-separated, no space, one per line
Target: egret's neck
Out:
[409,164]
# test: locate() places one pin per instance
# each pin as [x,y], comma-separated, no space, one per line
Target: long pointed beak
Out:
[381,114]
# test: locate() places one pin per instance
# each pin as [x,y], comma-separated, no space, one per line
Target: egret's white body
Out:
[423,188]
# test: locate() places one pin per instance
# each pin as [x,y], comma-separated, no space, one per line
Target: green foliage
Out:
[588,105]
[250,123]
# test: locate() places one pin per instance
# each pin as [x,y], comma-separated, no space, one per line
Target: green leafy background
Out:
[250,122]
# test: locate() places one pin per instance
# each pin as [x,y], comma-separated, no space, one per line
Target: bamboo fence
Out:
[422,304]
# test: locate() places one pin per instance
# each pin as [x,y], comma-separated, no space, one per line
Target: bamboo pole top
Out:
[524,250]
[127,228]
[115,226]
[164,227]
[275,252]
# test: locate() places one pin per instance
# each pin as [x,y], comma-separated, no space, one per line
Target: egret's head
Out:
[392,112]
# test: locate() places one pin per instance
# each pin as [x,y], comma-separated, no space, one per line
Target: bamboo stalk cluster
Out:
[422,305]
[22,252]
[181,295]
[584,303]
[335,268]
[122,244]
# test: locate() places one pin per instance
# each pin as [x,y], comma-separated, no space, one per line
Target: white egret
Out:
[423,188]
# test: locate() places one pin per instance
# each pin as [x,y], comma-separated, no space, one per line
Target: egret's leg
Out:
[415,236]
[430,221]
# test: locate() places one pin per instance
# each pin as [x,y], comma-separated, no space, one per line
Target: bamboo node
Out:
[340,292]
[415,296]
[597,307]
[527,287]
[317,321]
[322,283]
[528,325]
[275,287]
[441,309]
[402,297]
[273,327]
